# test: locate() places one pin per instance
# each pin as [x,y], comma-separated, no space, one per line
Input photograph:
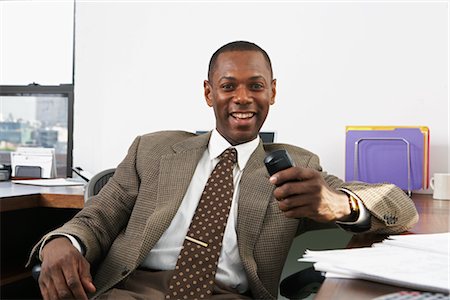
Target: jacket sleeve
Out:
[106,214]
[391,209]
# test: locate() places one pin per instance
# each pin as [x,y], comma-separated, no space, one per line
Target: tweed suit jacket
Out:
[120,225]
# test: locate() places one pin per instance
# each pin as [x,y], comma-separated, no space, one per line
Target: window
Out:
[37,116]
[36,45]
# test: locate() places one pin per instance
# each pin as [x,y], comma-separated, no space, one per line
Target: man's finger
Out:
[291,174]
[73,281]
[44,291]
[49,291]
[55,283]
[297,212]
[85,276]
[292,188]
[60,285]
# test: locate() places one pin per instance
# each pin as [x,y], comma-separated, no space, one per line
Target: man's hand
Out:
[303,192]
[65,273]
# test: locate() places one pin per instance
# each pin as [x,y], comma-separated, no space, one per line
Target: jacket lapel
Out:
[254,196]
[176,171]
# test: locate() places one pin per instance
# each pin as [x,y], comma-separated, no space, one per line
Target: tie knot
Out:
[230,154]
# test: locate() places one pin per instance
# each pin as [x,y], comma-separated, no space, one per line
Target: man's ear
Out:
[207,92]
[274,91]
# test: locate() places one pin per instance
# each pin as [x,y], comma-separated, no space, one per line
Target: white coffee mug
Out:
[440,183]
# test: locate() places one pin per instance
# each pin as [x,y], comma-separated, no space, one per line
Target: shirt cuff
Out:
[72,239]
[363,222]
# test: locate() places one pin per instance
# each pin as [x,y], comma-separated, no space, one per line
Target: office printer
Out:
[5,172]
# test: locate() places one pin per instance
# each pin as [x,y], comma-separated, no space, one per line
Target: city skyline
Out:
[48,110]
[23,108]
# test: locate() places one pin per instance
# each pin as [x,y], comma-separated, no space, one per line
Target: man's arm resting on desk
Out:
[391,210]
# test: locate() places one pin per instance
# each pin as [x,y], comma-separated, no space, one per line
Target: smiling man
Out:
[240,88]
[196,217]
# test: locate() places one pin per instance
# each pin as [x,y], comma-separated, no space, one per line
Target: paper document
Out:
[50,182]
[418,261]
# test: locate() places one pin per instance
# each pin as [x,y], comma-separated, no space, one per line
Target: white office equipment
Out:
[37,158]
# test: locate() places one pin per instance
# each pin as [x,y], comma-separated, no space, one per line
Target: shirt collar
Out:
[218,144]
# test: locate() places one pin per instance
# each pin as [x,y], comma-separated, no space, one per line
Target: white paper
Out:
[413,261]
[50,182]
[427,242]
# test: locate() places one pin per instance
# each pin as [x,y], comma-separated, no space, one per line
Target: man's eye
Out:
[227,87]
[256,86]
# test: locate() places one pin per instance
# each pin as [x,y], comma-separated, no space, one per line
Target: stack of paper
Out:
[419,261]
[394,154]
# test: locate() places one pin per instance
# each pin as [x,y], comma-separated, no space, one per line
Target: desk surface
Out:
[19,196]
[433,218]
[16,200]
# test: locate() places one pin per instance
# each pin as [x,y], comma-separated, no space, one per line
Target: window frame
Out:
[36,89]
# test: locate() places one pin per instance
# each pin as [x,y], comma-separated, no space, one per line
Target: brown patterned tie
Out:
[195,271]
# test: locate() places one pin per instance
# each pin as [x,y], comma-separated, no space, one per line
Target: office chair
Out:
[93,187]
[97,182]
[301,284]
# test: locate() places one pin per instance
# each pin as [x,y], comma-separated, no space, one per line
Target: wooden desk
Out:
[433,218]
[19,196]
[27,213]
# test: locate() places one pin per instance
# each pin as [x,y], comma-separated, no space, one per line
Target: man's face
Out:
[240,91]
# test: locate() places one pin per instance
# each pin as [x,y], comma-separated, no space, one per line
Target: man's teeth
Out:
[243,115]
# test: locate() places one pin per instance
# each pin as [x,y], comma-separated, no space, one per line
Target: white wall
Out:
[140,66]
[36,42]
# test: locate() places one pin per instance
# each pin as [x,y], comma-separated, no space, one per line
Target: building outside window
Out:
[37,116]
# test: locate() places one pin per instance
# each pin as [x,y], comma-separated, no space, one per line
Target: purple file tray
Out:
[377,156]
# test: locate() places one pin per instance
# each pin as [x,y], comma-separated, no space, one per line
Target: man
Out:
[134,231]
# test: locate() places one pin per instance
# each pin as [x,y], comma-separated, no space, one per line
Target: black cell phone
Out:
[277,161]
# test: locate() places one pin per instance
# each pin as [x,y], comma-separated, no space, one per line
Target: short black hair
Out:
[237,46]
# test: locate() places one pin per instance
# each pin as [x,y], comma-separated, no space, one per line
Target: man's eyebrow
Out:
[227,78]
[257,77]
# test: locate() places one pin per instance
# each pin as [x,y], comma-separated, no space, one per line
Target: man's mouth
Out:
[242,115]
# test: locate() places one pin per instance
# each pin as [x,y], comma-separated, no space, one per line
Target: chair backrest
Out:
[97,182]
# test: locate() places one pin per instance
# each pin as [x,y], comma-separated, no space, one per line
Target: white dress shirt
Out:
[165,253]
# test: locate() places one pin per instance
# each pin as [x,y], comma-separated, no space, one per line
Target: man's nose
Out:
[242,95]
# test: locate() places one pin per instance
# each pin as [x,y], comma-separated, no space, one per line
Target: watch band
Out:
[362,221]
[354,207]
